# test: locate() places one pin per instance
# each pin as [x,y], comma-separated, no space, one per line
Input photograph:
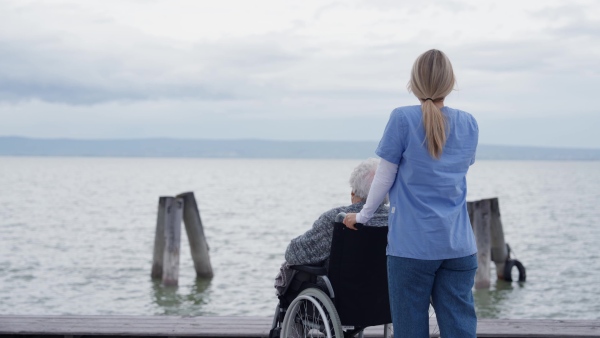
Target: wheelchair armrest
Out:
[311,269]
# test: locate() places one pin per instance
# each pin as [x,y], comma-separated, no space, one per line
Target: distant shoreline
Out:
[253,149]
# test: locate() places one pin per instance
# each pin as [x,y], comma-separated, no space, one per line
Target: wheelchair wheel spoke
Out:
[312,315]
[312,321]
[436,329]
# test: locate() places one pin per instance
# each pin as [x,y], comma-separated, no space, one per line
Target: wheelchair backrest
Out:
[358,274]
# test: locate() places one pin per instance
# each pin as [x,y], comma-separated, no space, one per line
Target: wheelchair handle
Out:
[340,219]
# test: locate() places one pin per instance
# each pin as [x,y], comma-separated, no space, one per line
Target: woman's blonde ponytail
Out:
[431,80]
[435,128]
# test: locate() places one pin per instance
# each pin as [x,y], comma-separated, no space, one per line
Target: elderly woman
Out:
[314,245]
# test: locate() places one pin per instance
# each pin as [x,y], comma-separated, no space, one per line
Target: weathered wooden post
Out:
[159,240]
[489,235]
[479,212]
[498,245]
[172,234]
[195,232]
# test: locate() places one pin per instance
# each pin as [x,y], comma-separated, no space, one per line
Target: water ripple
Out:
[76,234]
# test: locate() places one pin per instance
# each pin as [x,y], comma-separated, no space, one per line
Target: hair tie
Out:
[428,99]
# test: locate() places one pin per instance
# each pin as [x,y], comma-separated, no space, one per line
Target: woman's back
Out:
[428,214]
[426,151]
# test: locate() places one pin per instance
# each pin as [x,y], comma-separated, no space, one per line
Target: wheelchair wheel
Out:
[311,314]
[434,329]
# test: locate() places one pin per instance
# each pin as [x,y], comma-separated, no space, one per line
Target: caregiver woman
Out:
[426,151]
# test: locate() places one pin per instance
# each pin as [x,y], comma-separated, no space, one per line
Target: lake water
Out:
[76,234]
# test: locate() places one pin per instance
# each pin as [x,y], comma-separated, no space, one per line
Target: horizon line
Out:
[260,140]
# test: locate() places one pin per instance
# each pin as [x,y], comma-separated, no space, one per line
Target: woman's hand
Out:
[349,221]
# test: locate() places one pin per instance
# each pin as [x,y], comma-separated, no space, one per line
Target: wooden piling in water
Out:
[480,214]
[195,232]
[491,246]
[173,215]
[167,240]
[499,250]
[159,240]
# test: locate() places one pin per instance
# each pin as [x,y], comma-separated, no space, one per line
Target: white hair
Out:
[362,178]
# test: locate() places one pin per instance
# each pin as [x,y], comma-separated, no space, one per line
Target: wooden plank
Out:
[538,328]
[257,327]
[149,326]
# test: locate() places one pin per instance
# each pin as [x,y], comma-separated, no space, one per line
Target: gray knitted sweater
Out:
[313,246]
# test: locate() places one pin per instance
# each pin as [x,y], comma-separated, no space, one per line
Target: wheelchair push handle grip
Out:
[340,219]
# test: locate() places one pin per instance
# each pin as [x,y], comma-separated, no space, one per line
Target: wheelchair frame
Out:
[306,308]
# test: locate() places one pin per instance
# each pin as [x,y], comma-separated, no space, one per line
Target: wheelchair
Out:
[343,298]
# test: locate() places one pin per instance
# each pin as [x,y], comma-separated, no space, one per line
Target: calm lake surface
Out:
[76,234]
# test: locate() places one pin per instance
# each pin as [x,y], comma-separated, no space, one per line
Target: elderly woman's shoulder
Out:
[380,217]
[332,213]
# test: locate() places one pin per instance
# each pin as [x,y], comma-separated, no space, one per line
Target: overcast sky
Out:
[529,71]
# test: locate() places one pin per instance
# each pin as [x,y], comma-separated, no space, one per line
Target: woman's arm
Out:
[382,182]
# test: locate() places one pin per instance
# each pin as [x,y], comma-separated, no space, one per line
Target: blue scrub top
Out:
[428,208]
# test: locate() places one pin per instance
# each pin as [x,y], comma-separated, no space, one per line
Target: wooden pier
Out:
[250,327]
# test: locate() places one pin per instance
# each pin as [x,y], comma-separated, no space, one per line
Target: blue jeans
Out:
[448,284]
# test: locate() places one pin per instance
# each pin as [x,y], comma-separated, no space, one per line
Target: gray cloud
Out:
[417,6]
[569,11]
[578,29]
[100,70]
[570,21]
[511,56]
[208,72]
[115,63]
